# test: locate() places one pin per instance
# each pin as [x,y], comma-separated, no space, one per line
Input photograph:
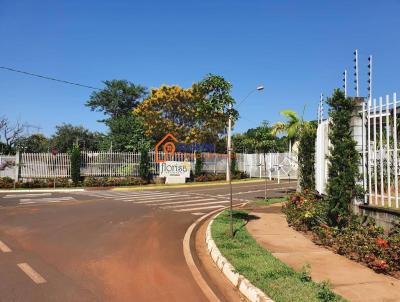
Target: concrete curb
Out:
[254,294]
[41,191]
[187,185]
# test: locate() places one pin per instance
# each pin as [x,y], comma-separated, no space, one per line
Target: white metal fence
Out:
[380,148]
[275,165]
[375,128]
[44,165]
[118,164]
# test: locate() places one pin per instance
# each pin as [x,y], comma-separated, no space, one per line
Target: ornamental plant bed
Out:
[361,239]
[261,268]
[8,183]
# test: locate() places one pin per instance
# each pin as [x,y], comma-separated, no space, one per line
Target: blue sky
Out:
[296,49]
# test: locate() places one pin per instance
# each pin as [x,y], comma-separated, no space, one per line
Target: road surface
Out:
[106,245]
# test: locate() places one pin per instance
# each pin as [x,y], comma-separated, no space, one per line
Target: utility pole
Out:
[229,145]
[345,83]
[228,172]
[229,153]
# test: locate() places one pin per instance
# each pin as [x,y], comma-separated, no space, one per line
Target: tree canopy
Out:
[67,135]
[126,134]
[118,98]
[250,142]
[34,143]
[291,127]
[198,114]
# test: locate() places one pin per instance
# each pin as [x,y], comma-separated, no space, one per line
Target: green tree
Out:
[198,168]
[306,156]
[67,135]
[265,142]
[144,166]
[291,127]
[126,133]
[34,143]
[198,114]
[343,159]
[76,164]
[215,92]
[117,99]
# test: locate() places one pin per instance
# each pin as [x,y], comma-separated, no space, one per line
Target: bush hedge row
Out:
[361,239]
[8,183]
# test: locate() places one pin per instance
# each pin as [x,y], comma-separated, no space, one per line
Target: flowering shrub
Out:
[361,239]
[305,210]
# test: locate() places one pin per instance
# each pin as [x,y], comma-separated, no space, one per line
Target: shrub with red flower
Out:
[382,243]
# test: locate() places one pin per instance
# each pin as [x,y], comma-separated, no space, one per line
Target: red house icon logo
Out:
[168,148]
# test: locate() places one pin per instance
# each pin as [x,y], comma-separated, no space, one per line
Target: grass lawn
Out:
[266,202]
[280,282]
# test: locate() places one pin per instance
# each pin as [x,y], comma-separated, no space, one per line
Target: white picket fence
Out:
[119,164]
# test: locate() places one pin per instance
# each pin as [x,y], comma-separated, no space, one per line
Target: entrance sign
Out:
[175,168]
[175,171]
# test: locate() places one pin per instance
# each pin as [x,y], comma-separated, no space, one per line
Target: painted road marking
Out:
[46,199]
[147,200]
[198,209]
[27,269]
[257,191]
[195,204]
[125,194]
[186,201]
[26,195]
[198,213]
[239,186]
[4,248]
[150,196]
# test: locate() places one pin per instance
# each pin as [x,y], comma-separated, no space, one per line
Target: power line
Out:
[48,78]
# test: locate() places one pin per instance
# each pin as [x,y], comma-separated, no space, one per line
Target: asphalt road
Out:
[106,245]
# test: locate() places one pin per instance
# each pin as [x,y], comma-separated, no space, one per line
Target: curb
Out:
[251,292]
[41,190]
[178,186]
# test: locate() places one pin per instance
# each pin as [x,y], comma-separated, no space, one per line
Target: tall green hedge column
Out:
[76,164]
[343,159]
[307,156]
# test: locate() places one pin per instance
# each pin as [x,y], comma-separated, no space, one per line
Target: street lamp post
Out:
[229,151]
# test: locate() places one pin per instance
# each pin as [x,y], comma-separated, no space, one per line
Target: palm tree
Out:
[291,127]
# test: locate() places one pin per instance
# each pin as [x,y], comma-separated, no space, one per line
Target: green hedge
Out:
[8,183]
[113,181]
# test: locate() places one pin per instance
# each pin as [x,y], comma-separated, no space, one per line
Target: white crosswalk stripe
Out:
[199,209]
[45,200]
[180,202]
[197,204]
[16,195]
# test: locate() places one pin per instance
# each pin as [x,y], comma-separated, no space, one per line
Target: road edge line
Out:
[198,277]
